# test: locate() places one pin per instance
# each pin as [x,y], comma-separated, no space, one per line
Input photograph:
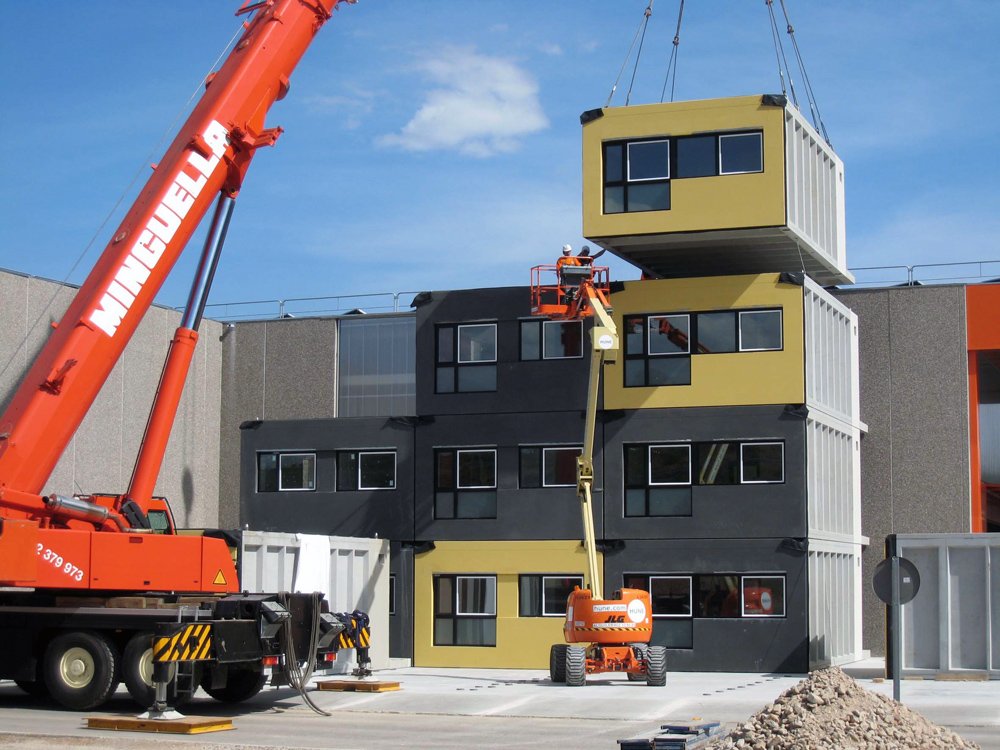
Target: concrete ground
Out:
[452,708]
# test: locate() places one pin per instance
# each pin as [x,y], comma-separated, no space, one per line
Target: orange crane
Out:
[602,635]
[61,555]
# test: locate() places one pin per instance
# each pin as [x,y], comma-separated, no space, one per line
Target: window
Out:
[376,366]
[366,470]
[465,483]
[548,466]
[286,472]
[465,610]
[762,463]
[718,596]
[466,358]
[637,174]
[760,330]
[740,153]
[392,593]
[545,595]
[551,339]
[763,596]
[657,480]
[740,463]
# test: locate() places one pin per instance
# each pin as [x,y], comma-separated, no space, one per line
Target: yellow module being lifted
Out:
[743,184]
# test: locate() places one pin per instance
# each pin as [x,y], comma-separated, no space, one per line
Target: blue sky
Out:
[436,145]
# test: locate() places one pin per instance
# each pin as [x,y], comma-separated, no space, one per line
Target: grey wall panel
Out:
[547,513]
[387,514]
[730,511]
[544,385]
[914,399]
[300,369]
[778,644]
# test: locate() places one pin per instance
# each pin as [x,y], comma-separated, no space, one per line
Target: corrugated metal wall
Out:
[814,178]
[834,606]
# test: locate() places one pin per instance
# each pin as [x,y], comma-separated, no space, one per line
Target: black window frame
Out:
[456,490]
[452,613]
[735,609]
[529,608]
[279,470]
[526,484]
[448,362]
[539,349]
[356,486]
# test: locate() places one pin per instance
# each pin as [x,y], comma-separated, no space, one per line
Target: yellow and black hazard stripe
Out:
[190,643]
[604,628]
[355,637]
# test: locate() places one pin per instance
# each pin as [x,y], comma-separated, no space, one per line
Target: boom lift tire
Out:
[80,669]
[656,669]
[557,662]
[576,666]
[241,685]
[641,652]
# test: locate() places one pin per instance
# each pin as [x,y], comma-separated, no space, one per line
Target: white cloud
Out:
[481,106]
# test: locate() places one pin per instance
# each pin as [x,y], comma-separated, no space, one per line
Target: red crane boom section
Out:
[210,154]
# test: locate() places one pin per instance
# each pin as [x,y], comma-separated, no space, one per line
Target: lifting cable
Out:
[672,65]
[813,105]
[779,53]
[640,35]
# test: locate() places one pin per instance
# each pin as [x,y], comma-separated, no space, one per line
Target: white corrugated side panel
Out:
[834,605]
[814,179]
[831,344]
[352,573]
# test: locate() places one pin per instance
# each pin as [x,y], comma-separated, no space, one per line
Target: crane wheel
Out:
[80,669]
[137,672]
[557,662]
[656,666]
[241,685]
[576,666]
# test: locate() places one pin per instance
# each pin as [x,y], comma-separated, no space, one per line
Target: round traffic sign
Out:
[909,581]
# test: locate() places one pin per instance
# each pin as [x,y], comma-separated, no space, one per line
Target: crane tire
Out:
[137,672]
[80,669]
[656,666]
[557,662]
[576,666]
[241,685]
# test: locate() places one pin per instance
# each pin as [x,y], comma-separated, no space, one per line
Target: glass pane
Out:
[378,471]
[444,505]
[741,153]
[718,463]
[678,633]
[560,466]
[670,371]
[444,631]
[530,339]
[477,595]
[562,339]
[531,468]
[477,468]
[444,595]
[556,591]
[614,200]
[377,360]
[347,471]
[445,382]
[475,632]
[760,330]
[696,157]
[669,464]
[477,343]
[671,595]
[477,379]
[716,332]
[613,163]
[670,501]
[446,344]
[669,334]
[529,596]
[635,502]
[718,596]
[635,372]
[763,462]
[158,520]
[634,335]
[635,581]
[477,504]
[636,473]
[649,160]
[267,472]
[444,475]
[298,472]
[764,596]
[649,196]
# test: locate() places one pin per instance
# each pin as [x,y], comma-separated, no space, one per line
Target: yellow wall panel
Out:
[522,642]
[737,379]
[697,204]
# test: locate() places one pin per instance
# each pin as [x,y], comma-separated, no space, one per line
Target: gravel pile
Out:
[830,710]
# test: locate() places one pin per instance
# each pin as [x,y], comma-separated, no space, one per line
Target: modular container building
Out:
[701,188]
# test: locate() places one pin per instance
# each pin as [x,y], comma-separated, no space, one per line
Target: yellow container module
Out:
[492,603]
[708,341]
[720,186]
